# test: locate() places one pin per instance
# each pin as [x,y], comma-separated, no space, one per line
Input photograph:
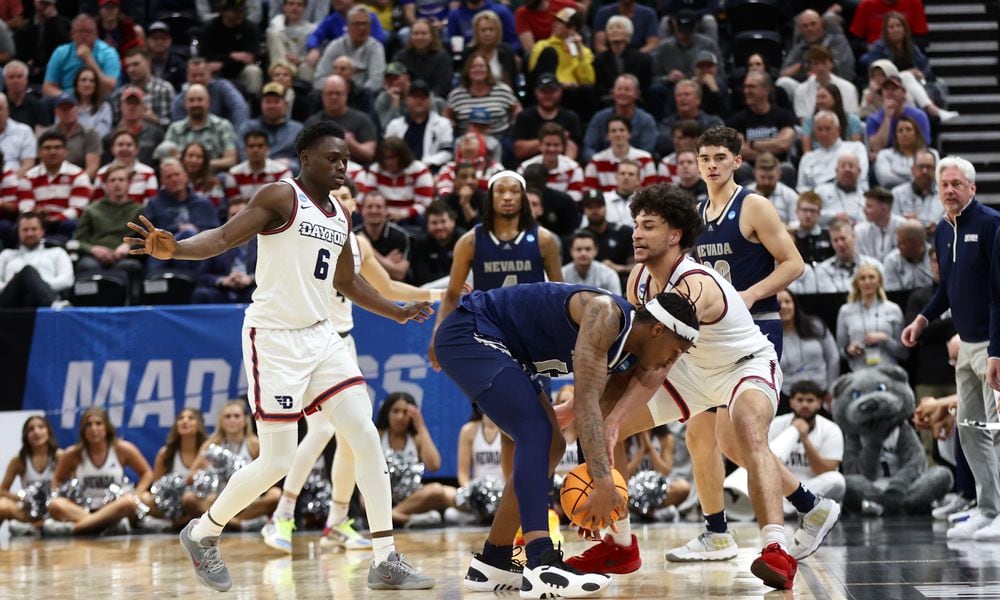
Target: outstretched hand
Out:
[416,311]
[152,241]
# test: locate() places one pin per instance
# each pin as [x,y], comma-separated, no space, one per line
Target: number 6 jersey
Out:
[295,266]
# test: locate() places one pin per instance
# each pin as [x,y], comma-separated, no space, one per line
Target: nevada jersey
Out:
[501,264]
[532,321]
[725,341]
[743,263]
[295,266]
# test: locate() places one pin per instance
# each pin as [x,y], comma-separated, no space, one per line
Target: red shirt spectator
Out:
[244,180]
[407,193]
[141,189]
[602,171]
[538,20]
[868,17]
[8,194]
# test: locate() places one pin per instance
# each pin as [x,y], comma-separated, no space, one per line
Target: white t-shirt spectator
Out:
[826,437]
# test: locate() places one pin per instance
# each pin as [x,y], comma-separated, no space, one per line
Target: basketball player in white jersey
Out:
[339,531]
[733,364]
[295,361]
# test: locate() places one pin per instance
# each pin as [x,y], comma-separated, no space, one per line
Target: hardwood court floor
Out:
[899,558]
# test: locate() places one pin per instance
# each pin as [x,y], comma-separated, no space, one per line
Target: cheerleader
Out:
[178,455]
[34,463]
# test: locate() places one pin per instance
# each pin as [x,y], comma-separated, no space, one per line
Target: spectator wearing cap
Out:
[365,52]
[763,126]
[487,39]
[674,59]
[230,43]
[642,125]
[406,183]
[645,37]
[246,178]
[585,269]
[163,61]
[389,103]
[881,126]
[460,21]
[560,213]
[564,173]
[274,123]
[360,133]
[548,108]
[819,165]
[876,236]
[908,265]
[17,141]
[918,199]
[870,16]
[56,189]
[84,51]
[566,55]
[704,15]
[619,58]
[287,34]
[916,94]
[425,58]
[479,89]
[687,100]
[767,182]
[614,241]
[132,108]
[714,89]
[37,40]
[428,135]
[226,101]
[25,105]
[821,75]
[83,145]
[117,29]
[480,123]
[533,20]
[812,33]
[215,134]
[335,24]
[157,93]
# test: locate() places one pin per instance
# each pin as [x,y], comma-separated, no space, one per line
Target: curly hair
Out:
[672,204]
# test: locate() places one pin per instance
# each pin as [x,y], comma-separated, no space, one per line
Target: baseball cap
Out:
[273,87]
[65,98]
[133,92]
[547,80]
[686,19]
[480,115]
[592,197]
[396,68]
[893,79]
[157,26]
[704,56]
[565,14]
[886,65]
[419,86]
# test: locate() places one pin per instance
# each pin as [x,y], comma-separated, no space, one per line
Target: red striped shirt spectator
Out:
[470,148]
[8,193]
[406,184]
[667,169]
[603,166]
[125,150]
[565,174]
[257,170]
[55,188]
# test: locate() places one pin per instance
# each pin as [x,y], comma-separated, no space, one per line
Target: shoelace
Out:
[562,565]
[401,566]
[211,560]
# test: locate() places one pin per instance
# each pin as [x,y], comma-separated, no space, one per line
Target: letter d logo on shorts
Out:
[284,402]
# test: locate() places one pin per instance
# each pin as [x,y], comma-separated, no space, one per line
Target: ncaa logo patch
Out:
[284,402]
[530,238]
[732,215]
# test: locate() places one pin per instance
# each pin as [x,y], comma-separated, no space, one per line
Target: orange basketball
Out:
[576,487]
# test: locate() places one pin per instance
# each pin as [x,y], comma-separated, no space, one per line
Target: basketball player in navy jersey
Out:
[295,361]
[492,345]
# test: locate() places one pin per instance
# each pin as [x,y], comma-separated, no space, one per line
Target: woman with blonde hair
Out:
[869,324]
[98,461]
[487,39]
[478,88]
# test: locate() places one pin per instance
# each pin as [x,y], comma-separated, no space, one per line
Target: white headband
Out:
[683,330]
[502,174]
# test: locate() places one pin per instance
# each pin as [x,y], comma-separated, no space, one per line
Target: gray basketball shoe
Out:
[207,560]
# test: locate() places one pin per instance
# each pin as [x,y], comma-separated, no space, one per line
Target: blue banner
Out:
[144,364]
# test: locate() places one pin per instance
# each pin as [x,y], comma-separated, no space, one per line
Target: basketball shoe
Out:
[965,530]
[484,577]
[775,567]
[608,557]
[553,578]
[207,560]
[707,546]
[813,528]
[277,534]
[344,536]
[394,573]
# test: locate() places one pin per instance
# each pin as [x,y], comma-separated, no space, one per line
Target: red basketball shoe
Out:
[608,557]
[775,567]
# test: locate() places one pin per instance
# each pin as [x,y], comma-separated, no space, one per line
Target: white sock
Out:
[624,535]
[383,547]
[205,528]
[286,507]
[775,534]
[338,512]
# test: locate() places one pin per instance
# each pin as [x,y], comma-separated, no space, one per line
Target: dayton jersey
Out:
[532,321]
[725,341]
[502,264]
[723,247]
[295,266]
[342,316]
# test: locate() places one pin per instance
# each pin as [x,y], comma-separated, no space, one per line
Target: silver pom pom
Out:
[647,491]
[480,497]
[222,464]
[316,496]
[405,474]
[167,492]
[35,499]
[72,490]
